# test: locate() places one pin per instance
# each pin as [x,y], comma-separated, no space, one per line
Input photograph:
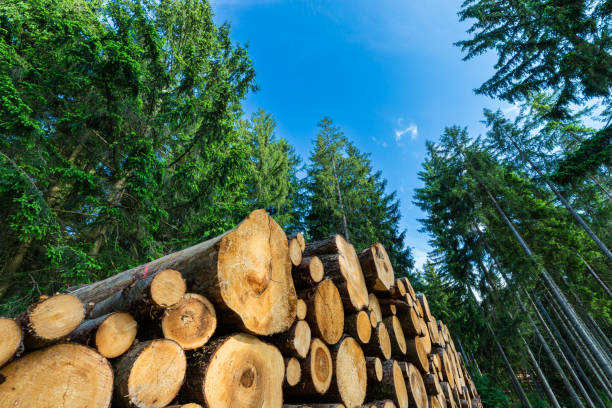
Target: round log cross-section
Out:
[238,371]
[342,264]
[325,311]
[191,322]
[416,388]
[150,374]
[377,268]
[308,272]
[64,375]
[11,340]
[350,374]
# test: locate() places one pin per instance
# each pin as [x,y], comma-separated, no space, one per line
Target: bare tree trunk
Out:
[570,355]
[549,392]
[565,305]
[552,357]
[596,276]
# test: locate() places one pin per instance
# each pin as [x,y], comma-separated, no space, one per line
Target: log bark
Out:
[300,239]
[111,334]
[11,341]
[51,320]
[317,372]
[245,272]
[148,297]
[359,327]
[374,369]
[432,385]
[417,395]
[398,290]
[377,268]
[308,273]
[411,324]
[422,299]
[295,341]
[380,343]
[64,375]
[191,322]
[150,374]
[448,394]
[236,371]
[325,311]
[374,308]
[350,379]
[393,385]
[447,370]
[342,264]
[396,335]
[409,289]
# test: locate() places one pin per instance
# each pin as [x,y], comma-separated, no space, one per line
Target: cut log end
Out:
[150,374]
[359,326]
[254,270]
[394,377]
[301,309]
[374,308]
[375,369]
[191,322]
[293,372]
[377,268]
[55,317]
[116,334]
[11,340]
[416,387]
[316,269]
[327,315]
[167,288]
[351,373]
[295,251]
[244,372]
[64,375]
[321,366]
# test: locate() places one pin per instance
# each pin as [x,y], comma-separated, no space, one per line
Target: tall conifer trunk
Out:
[549,392]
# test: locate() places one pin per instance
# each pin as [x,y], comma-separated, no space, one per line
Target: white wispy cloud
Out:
[420,257]
[411,130]
[380,142]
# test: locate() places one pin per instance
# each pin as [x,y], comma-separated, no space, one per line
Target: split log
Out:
[191,323]
[396,335]
[293,372]
[432,385]
[393,385]
[377,268]
[350,380]
[374,308]
[422,299]
[238,371]
[11,341]
[317,372]
[111,335]
[299,237]
[342,265]
[51,320]
[308,273]
[147,297]
[150,374]
[415,386]
[380,343]
[325,311]
[295,341]
[301,309]
[245,272]
[374,369]
[358,326]
[415,353]
[64,375]
[295,251]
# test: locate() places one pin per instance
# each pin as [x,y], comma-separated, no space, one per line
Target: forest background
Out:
[123,138]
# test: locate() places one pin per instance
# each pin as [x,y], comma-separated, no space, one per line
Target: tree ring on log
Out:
[167,288]
[191,323]
[116,334]
[56,317]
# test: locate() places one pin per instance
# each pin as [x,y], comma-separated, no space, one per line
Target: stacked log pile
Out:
[248,319]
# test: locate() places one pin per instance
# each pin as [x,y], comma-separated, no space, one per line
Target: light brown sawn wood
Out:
[409,289]
[50,320]
[295,341]
[422,299]
[374,308]
[190,405]
[147,297]
[415,353]
[111,334]
[293,372]
[432,385]
[295,251]
[301,309]
[325,311]
[375,369]
[238,371]
[393,385]
[380,343]
[377,268]
[150,374]
[350,379]
[410,322]
[415,386]
[300,239]
[358,326]
[11,340]
[191,322]
[64,375]
[317,372]
[396,335]
[308,273]
[245,272]
[341,264]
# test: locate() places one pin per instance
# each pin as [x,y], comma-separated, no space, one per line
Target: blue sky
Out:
[386,72]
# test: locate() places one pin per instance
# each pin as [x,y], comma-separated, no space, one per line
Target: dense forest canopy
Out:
[123,138]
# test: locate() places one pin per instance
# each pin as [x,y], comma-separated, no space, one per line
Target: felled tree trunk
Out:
[377,268]
[396,335]
[295,341]
[415,386]
[349,382]
[317,372]
[325,311]
[191,322]
[359,327]
[245,272]
[11,341]
[308,272]
[393,385]
[380,343]
[111,334]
